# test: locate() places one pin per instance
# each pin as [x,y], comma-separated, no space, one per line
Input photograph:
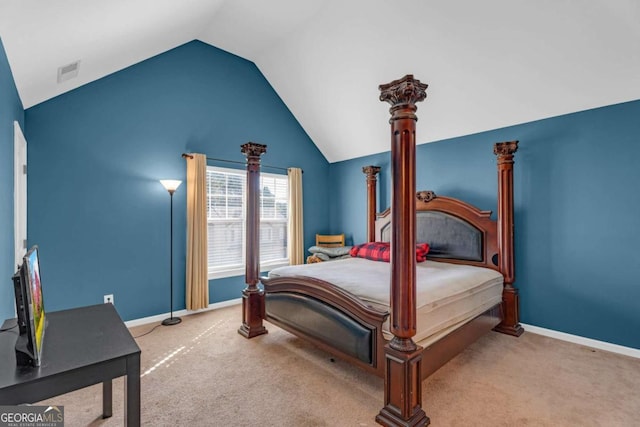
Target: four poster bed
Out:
[432,310]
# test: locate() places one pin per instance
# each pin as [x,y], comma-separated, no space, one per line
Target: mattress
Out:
[447,295]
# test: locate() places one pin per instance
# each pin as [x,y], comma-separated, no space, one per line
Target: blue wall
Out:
[96,208]
[576,212]
[10,111]
[101,218]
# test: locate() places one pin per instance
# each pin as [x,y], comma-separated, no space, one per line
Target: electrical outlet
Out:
[108,299]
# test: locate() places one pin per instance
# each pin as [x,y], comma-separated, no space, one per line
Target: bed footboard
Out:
[325,323]
[328,317]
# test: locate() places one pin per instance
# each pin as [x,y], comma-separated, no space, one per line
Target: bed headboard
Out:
[455,230]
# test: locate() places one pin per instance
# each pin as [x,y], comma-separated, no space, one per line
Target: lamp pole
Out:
[171,186]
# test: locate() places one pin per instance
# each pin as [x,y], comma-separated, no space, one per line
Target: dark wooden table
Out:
[81,347]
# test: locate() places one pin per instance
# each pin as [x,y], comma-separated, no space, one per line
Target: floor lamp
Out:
[171,185]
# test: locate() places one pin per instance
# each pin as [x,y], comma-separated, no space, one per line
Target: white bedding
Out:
[446,294]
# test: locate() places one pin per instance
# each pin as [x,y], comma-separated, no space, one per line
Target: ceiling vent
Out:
[68,71]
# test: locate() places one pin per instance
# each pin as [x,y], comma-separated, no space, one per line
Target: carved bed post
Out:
[511,323]
[252,296]
[403,358]
[372,206]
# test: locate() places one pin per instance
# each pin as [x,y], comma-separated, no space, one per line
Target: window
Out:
[226,192]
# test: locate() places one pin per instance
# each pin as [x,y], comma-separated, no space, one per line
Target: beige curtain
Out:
[296,231]
[197,293]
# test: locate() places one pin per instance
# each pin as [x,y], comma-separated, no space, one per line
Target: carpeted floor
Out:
[203,373]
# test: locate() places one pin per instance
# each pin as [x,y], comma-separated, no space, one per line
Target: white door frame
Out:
[19,193]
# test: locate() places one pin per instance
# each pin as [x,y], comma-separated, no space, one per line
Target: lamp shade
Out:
[170,184]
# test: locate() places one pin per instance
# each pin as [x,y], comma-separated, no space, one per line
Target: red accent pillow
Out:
[376,251]
[422,249]
[381,251]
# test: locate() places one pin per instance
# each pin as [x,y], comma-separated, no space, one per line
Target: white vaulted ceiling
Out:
[488,64]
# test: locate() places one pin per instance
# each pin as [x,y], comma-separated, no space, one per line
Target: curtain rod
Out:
[186,155]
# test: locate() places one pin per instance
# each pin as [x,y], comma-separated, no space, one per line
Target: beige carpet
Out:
[203,373]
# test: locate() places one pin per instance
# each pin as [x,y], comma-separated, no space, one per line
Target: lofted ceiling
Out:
[488,64]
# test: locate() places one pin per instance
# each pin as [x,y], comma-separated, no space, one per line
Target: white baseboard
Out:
[161,317]
[576,339]
[587,342]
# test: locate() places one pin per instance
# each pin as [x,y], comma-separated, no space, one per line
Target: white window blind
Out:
[273,218]
[226,195]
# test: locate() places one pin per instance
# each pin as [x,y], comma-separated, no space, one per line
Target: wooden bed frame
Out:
[401,362]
